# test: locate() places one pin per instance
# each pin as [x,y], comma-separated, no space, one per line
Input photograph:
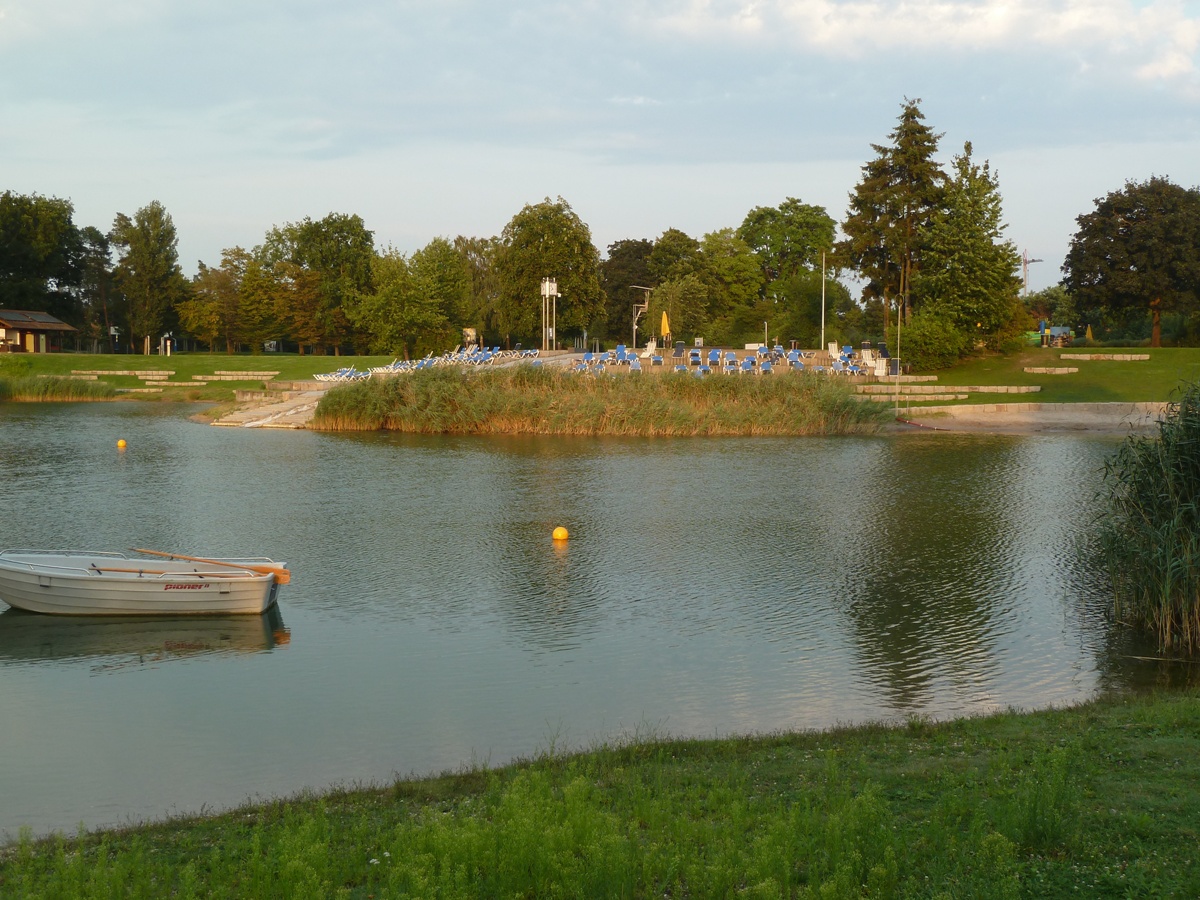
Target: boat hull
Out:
[81,584]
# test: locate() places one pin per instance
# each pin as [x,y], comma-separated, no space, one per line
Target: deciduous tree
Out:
[41,254]
[339,251]
[787,238]
[628,263]
[547,239]
[1139,251]
[148,272]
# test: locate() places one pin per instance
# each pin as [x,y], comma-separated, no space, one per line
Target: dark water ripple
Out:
[709,587]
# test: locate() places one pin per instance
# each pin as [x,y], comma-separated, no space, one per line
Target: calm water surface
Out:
[710,587]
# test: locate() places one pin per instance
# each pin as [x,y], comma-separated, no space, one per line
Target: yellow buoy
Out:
[121,444]
[560,533]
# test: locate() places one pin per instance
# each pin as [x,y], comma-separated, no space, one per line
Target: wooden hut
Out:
[31,331]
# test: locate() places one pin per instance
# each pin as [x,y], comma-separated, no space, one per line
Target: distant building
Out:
[30,331]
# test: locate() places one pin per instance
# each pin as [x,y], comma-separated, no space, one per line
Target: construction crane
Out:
[1025,261]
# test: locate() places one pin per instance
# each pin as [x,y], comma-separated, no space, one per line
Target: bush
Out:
[929,342]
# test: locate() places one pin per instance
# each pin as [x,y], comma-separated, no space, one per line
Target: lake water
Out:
[710,587]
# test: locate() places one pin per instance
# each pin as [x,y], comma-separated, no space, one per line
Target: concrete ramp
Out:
[276,408]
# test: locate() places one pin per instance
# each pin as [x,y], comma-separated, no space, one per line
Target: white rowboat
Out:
[97,583]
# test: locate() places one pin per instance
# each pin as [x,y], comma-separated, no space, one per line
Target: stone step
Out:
[914,398]
[138,372]
[255,374]
[1051,370]
[884,387]
[249,376]
[1119,357]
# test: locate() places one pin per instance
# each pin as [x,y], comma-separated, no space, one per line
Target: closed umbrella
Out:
[666,325]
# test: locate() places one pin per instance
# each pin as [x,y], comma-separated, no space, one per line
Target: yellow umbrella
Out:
[666,326]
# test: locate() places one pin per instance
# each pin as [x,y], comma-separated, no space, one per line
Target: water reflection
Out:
[709,586]
[117,643]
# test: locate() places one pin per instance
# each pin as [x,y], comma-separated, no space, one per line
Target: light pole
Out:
[549,310]
[639,309]
[822,299]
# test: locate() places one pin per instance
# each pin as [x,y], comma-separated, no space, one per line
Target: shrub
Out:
[929,342]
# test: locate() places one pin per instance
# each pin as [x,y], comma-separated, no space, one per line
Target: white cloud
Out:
[1158,40]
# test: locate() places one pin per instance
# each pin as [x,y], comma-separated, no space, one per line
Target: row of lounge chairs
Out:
[471,356]
[345,374]
[763,361]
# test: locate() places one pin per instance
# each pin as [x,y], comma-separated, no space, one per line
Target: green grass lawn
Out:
[1095,801]
[1096,381]
[184,365]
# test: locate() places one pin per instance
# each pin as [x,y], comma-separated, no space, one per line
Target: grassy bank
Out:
[53,388]
[538,400]
[1097,801]
[1097,381]
[188,371]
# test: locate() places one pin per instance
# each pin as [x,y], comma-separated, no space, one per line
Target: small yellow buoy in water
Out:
[560,533]
[121,444]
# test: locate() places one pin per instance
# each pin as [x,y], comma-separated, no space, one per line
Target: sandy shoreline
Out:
[1033,418]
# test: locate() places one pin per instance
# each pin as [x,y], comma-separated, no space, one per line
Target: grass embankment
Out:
[1097,381]
[1096,801]
[54,388]
[537,400]
[189,371]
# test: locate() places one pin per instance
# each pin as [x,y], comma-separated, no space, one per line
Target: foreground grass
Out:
[538,400]
[1096,801]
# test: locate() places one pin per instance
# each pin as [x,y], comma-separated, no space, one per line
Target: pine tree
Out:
[900,190]
[969,271]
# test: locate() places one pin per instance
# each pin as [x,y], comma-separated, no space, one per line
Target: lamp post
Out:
[822,299]
[639,309]
[549,310]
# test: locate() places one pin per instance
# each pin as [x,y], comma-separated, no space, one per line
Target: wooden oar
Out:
[281,573]
[165,572]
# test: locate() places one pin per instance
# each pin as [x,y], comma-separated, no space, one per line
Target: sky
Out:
[441,118]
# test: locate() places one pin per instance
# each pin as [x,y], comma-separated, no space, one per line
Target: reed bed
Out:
[537,400]
[1151,535]
[43,388]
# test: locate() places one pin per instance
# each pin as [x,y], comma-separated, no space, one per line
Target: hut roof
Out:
[31,320]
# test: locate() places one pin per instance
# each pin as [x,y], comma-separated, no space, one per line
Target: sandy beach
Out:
[1032,418]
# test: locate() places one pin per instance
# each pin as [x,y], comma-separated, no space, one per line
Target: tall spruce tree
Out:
[900,190]
[969,271]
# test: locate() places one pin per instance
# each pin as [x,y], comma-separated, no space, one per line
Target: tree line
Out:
[925,243]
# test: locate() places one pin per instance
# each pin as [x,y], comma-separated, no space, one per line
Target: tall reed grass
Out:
[1151,535]
[38,388]
[537,400]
